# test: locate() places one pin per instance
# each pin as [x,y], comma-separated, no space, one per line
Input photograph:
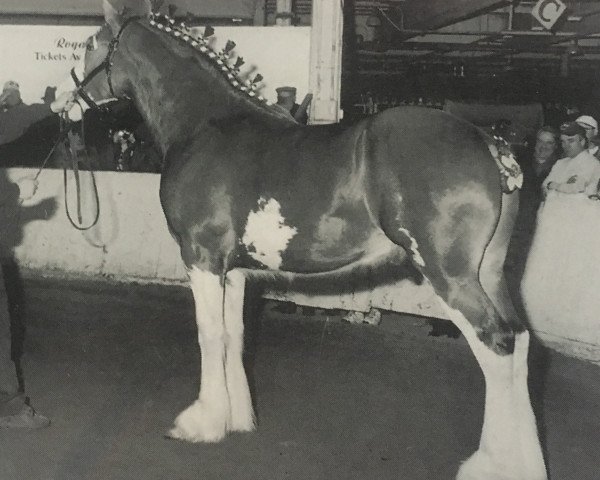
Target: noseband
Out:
[106,65]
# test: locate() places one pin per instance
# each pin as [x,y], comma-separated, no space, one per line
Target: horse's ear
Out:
[147,7]
[111,16]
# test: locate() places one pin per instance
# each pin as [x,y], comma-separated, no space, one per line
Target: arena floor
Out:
[112,365]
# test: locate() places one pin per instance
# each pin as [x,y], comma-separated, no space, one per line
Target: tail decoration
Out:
[221,60]
[511,175]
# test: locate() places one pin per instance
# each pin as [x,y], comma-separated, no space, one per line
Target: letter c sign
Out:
[547,12]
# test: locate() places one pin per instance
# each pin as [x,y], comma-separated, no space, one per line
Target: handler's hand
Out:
[63,103]
[27,188]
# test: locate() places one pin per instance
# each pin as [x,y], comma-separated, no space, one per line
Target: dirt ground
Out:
[112,365]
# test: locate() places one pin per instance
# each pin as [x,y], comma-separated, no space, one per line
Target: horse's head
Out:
[100,83]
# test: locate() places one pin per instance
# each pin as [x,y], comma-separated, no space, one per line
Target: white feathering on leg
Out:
[207,418]
[242,414]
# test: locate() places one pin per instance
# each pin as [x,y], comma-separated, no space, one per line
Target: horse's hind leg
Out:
[242,414]
[509,448]
[207,418]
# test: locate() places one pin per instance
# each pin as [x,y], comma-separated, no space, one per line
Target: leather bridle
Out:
[106,65]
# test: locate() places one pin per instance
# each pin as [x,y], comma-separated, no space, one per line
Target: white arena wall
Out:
[131,242]
[37,56]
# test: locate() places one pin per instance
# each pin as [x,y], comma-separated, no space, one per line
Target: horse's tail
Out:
[491,270]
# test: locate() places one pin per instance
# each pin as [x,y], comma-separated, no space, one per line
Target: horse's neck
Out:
[176,94]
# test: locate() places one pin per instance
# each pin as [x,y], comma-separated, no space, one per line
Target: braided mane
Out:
[181,32]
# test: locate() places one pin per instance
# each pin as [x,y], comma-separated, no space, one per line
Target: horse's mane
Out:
[218,62]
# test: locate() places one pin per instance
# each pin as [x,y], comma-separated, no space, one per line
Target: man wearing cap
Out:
[286,99]
[16,117]
[591,130]
[579,170]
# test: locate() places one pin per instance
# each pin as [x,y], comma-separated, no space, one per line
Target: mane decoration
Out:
[220,60]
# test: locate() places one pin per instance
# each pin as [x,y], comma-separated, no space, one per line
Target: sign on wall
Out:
[42,56]
[547,12]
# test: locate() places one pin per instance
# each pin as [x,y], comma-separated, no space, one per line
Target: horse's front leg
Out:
[241,411]
[206,420]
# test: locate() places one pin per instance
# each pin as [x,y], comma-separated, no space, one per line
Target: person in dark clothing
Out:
[15,119]
[286,99]
[15,410]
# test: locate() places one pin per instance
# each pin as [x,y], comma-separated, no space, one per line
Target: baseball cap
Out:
[286,91]
[572,128]
[587,121]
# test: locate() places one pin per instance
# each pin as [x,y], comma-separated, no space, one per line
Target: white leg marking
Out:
[206,419]
[509,448]
[242,414]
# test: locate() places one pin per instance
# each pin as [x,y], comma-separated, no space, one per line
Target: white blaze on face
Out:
[266,235]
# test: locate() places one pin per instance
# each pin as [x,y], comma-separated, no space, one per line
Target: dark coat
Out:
[15,121]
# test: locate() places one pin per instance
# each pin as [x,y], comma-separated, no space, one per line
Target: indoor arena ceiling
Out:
[485,32]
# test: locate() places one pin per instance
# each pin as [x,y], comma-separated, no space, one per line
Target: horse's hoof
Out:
[196,424]
[480,466]
[242,424]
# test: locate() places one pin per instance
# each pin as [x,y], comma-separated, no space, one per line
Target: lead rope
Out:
[65,131]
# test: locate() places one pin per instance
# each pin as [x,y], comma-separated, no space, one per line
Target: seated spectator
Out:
[579,170]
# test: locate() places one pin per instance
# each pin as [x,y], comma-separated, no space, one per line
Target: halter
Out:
[106,65]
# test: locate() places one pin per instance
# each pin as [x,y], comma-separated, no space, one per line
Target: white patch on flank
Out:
[509,447]
[414,248]
[266,235]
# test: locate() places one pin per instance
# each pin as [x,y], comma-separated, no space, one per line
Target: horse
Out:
[251,196]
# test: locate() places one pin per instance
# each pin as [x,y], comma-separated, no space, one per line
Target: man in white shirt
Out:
[579,170]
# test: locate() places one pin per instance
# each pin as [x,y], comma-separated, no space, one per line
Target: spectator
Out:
[591,130]
[286,99]
[16,117]
[579,170]
[545,153]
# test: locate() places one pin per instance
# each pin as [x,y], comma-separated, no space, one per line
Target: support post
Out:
[326,61]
